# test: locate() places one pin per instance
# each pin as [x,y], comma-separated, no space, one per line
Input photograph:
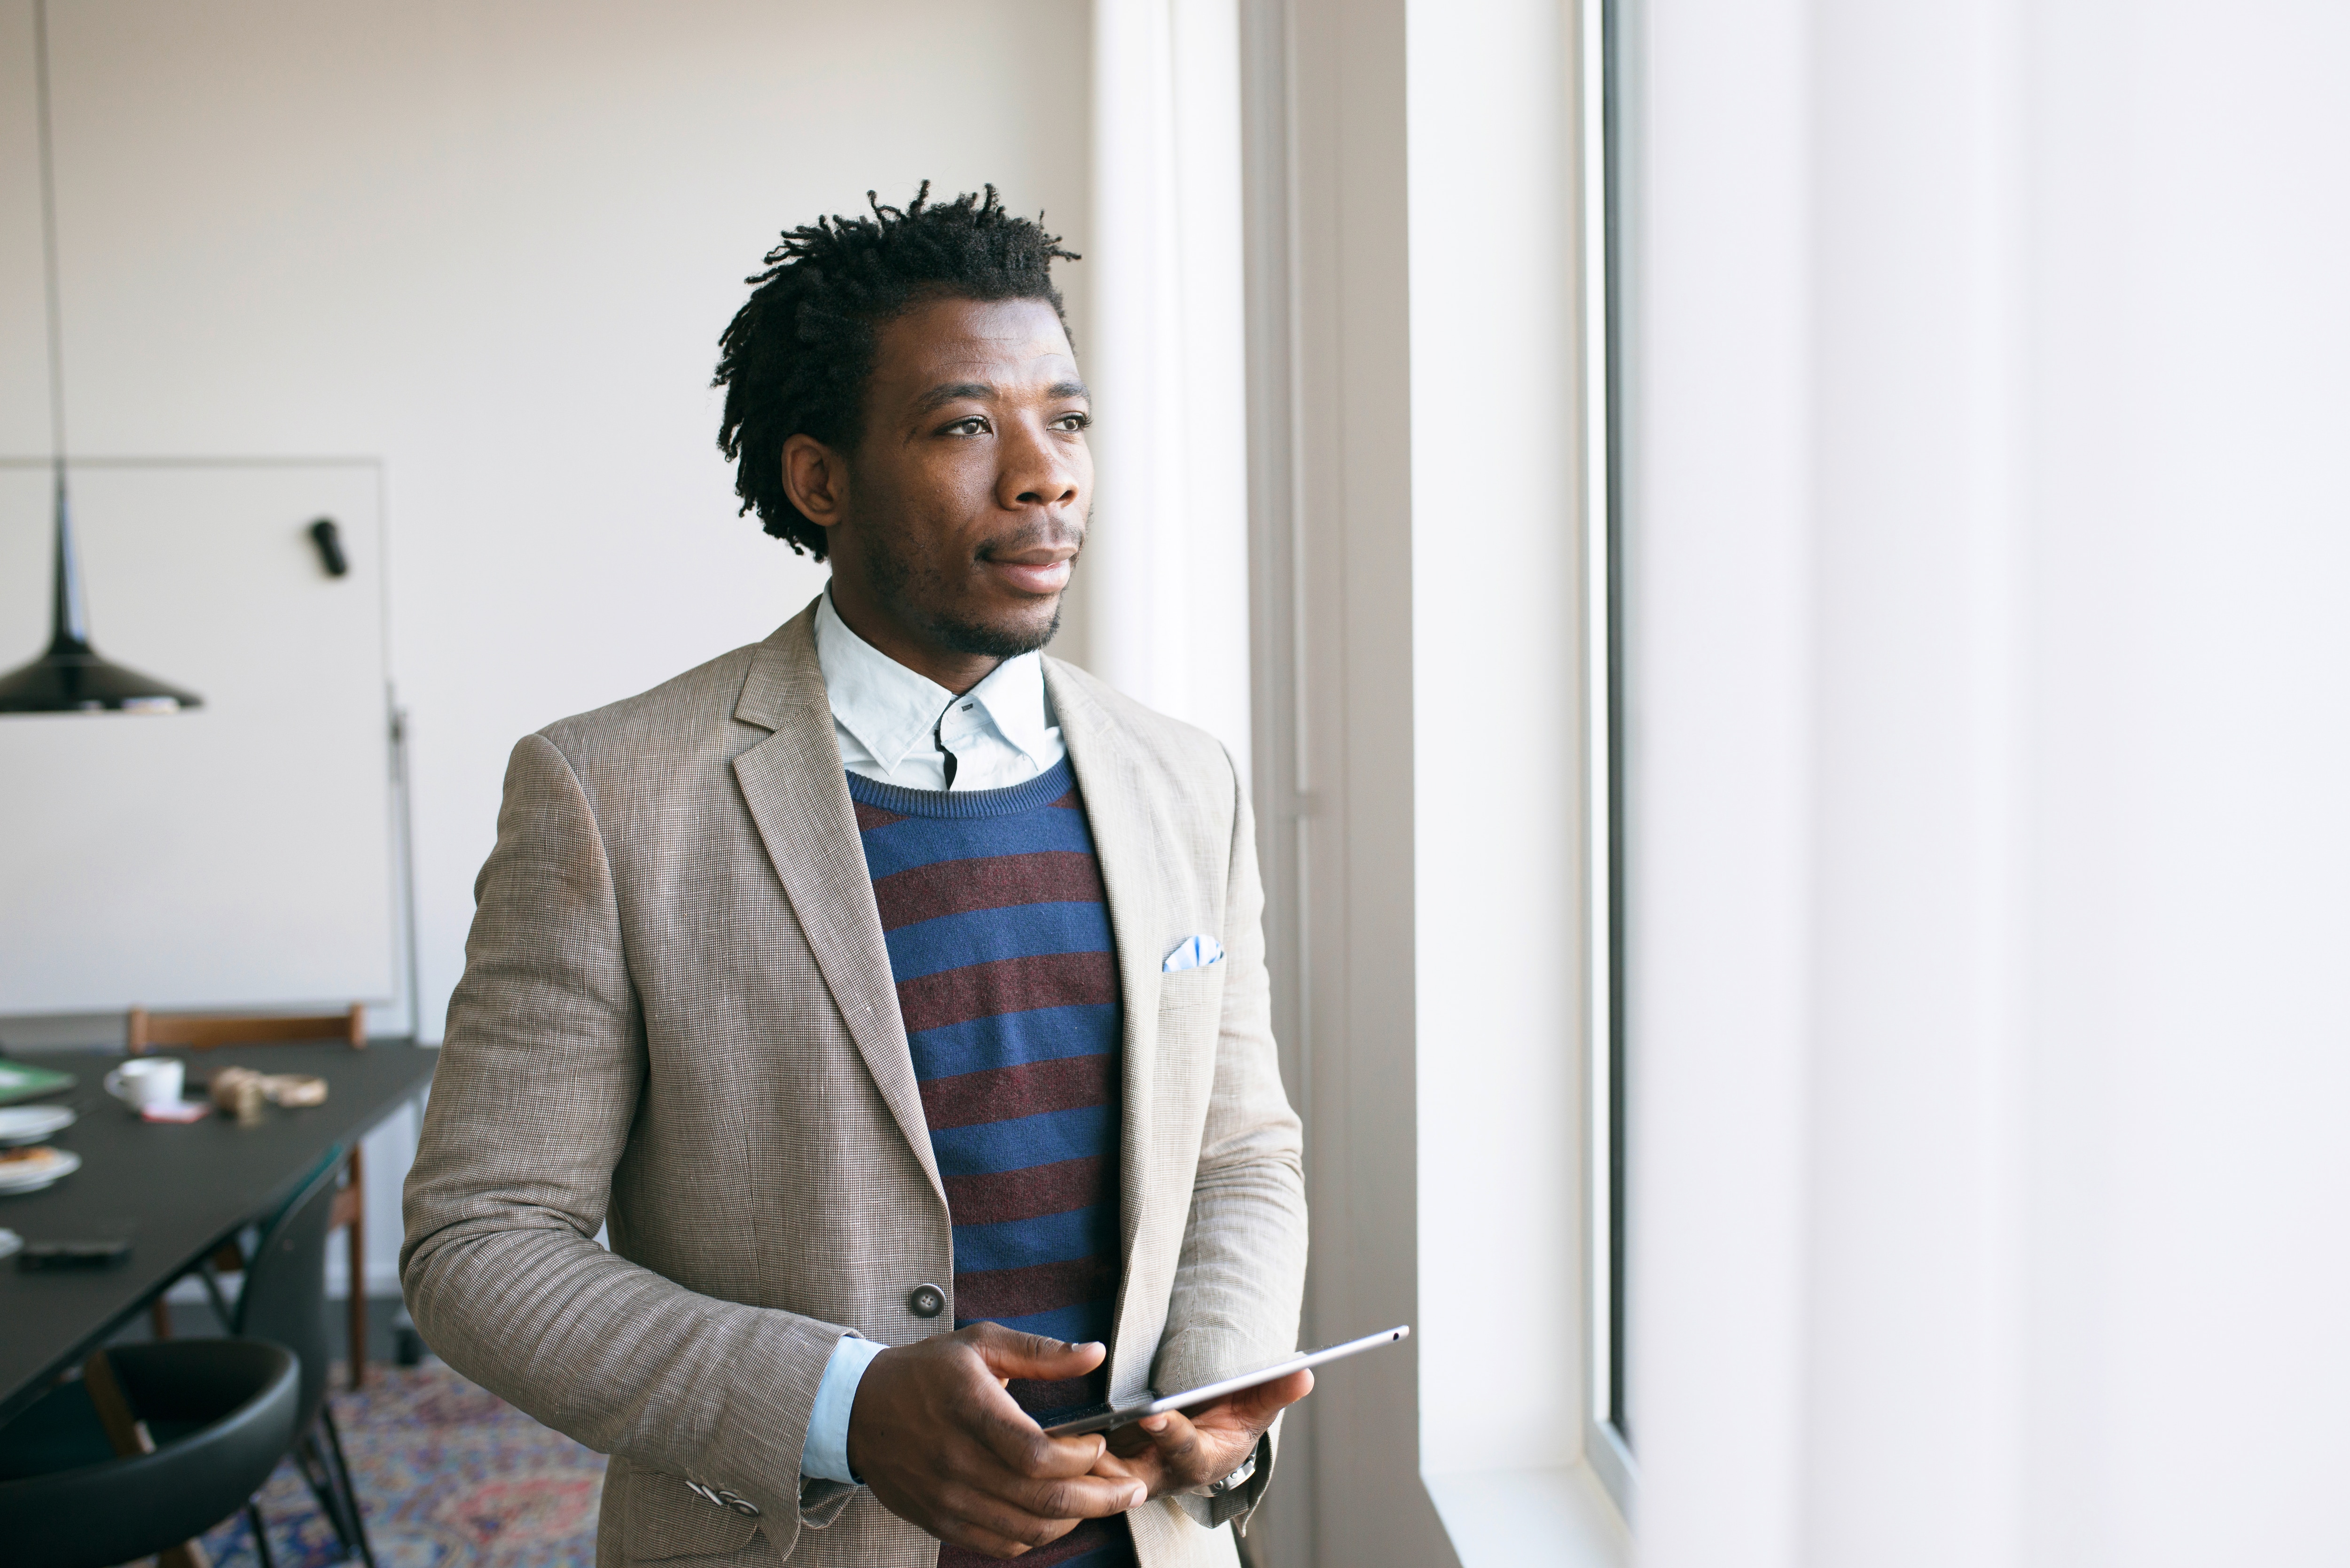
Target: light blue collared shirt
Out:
[1002,732]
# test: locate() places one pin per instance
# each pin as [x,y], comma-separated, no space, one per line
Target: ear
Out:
[817,478]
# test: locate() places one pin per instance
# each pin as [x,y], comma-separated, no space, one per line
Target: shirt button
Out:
[927,1301]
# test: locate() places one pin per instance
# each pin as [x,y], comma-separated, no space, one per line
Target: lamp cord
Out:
[49,240]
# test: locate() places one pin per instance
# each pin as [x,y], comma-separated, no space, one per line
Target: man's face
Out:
[953,524]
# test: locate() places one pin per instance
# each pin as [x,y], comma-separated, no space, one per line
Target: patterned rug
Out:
[449,1476]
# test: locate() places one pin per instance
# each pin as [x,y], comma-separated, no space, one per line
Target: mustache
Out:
[1044,536]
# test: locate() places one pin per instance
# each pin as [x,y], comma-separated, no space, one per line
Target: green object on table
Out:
[20,1082]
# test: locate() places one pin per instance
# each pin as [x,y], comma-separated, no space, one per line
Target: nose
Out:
[1040,472]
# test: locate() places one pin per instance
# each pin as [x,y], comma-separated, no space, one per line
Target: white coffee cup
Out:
[145,1081]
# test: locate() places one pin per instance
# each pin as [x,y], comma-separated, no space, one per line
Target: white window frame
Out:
[1598,50]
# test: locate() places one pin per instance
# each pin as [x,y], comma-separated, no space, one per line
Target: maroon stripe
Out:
[1040,1287]
[870,817]
[987,882]
[1008,985]
[1029,1193]
[1070,801]
[1069,1394]
[1090,1535]
[1030,1089]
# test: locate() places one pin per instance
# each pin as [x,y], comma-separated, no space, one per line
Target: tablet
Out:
[1102,1418]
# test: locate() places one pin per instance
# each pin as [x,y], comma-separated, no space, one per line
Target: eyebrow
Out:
[955,391]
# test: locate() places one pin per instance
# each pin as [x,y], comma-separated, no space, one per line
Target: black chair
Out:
[283,1300]
[220,1413]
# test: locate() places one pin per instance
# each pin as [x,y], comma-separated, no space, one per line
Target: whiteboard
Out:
[238,855]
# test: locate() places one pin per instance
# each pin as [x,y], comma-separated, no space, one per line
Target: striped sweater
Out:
[999,938]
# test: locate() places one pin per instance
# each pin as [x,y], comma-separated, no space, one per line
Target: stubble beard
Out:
[896,583]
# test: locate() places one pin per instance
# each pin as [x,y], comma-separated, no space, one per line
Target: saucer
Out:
[30,1169]
[31,1124]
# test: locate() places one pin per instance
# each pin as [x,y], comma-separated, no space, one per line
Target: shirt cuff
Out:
[825,1455]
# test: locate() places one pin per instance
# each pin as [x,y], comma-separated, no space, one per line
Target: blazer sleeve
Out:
[1240,1281]
[532,1101]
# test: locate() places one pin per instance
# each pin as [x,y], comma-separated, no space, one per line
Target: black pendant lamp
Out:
[70,678]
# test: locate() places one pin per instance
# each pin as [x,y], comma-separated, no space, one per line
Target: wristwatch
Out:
[1234,1481]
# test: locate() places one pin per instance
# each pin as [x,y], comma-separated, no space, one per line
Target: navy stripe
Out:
[1044,1239]
[1078,1325]
[1014,1038]
[986,936]
[991,1147]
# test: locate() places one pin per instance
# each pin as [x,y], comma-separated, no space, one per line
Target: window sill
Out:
[1505,1519]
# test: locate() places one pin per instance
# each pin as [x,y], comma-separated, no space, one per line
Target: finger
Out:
[1011,1353]
[1130,1441]
[1008,1436]
[1082,1497]
[1113,1465]
[1006,1432]
[1010,1510]
[1172,1435]
[1279,1394]
[1011,1437]
[985,1525]
[1255,1408]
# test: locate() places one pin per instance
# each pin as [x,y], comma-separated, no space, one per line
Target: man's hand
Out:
[1175,1453]
[941,1444]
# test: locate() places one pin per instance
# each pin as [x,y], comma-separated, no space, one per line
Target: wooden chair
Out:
[203,1032]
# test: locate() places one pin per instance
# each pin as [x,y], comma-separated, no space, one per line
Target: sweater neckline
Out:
[1043,790]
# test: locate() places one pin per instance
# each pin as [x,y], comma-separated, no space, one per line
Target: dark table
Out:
[174,1192]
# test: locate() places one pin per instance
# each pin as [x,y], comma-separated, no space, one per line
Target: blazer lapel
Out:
[1116,813]
[799,796]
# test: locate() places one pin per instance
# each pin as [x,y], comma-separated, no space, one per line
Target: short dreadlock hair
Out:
[795,358]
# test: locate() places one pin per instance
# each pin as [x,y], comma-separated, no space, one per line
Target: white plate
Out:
[31,1177]
[31,1124]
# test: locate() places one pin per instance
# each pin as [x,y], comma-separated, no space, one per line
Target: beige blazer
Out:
[677,1018]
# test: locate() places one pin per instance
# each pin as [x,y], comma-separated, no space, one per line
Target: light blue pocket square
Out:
[1194,952]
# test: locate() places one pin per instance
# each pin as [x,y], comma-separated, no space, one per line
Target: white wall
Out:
[1989,656]
[495,245]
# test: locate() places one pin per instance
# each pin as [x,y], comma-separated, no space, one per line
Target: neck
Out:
[862,613]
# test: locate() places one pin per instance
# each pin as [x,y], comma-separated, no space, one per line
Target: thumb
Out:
[1011,1353]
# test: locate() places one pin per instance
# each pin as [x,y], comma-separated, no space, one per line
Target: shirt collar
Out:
[891,710]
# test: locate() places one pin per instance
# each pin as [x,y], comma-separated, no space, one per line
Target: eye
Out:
[1076,420]
[975,425]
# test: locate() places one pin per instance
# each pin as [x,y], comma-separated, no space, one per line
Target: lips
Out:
[1034,577]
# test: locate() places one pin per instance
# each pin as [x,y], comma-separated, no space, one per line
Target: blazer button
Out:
[927,1301]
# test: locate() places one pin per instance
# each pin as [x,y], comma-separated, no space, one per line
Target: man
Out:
[896,995]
